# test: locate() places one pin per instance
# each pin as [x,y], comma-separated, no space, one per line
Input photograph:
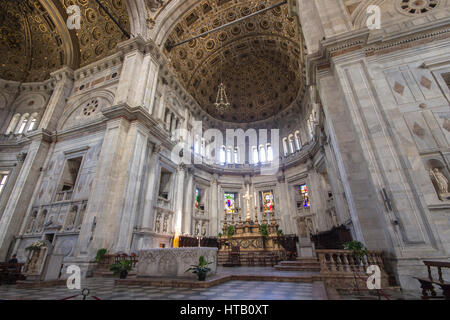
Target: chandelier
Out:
[222,103]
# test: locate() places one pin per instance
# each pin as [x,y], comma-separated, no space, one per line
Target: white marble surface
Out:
[174,261]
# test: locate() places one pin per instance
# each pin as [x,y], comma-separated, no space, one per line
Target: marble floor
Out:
[104,289]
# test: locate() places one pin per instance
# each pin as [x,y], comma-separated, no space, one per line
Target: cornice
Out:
[139,114]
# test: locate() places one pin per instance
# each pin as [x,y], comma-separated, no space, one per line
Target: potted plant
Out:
[201,269]
[230,231]
[357,249]
[100,255]
[280,232]
[36,246]
[121,268]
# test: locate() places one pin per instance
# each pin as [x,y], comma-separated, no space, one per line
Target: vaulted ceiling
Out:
[34,39]
[260,59]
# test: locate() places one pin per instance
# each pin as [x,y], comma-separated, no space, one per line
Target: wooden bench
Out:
[427,284]
[10,273]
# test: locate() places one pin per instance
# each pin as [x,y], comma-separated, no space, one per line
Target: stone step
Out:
[300,263]
[297,268]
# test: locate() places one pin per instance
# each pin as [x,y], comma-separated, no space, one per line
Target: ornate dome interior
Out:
[257,59]
[34,39]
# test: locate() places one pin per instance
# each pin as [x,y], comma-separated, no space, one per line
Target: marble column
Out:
[103,212]
[133,188]
[55,107]
[179,199]
[130,89]
[213,206]
[188,210]
[151,193]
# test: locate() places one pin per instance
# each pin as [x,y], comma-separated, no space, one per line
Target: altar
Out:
[173,262]
[250,242]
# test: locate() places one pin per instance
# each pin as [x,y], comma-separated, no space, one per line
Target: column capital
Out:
[63,74]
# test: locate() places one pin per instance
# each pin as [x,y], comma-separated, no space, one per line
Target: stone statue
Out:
[197,229]
[70,220]
[31,223]
[441,182]
[204,229]
[302,226]
[158,223]
[165,224]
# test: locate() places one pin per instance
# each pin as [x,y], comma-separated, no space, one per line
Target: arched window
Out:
[285,146]
[197,145]
[291,144]
[298,143]
[13,123]
[33,122]
[255,155]
[269,153]
[222,155]
[23,123]
[203,147]
[311,127]
[262,154]
[229,156]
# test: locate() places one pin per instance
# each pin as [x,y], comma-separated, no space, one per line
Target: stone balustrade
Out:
[341,269]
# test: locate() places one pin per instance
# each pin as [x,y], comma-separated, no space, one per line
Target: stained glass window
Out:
[229,202]
[305,195]
[268,201]
[197,198]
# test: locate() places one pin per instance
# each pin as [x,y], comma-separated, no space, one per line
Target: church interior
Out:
[300,145]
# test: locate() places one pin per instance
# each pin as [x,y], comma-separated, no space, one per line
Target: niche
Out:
[164,183]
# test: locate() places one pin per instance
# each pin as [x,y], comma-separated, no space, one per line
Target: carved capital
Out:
[21,156]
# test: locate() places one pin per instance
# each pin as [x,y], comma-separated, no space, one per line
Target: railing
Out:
[342,262]
[64,196]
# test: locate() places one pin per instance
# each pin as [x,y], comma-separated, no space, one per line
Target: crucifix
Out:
[247,198]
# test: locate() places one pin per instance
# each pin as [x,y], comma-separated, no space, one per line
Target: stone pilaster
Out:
[189,204]
[64,79]
[179,199]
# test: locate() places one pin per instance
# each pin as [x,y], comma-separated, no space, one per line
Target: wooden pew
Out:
[427,284]
[11,272]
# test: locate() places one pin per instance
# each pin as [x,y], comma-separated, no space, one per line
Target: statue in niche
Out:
[204,229]
[309,226]
[302,226]
[31,223]
[81,217]
[197,228]
[441,183]
[165,224]
[158,222]
[70,220]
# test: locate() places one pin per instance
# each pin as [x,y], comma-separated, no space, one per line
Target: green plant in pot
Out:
[230,231]
[200,269]
[280,232]
[357,249]
[121,268]
[100,254]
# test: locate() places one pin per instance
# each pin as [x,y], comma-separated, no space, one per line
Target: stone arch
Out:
[74,108]
[137,13]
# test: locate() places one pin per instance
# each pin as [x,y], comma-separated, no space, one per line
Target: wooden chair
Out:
[427,284]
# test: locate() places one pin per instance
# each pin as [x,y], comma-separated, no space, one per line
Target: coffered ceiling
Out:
[260,59]
[34,39]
